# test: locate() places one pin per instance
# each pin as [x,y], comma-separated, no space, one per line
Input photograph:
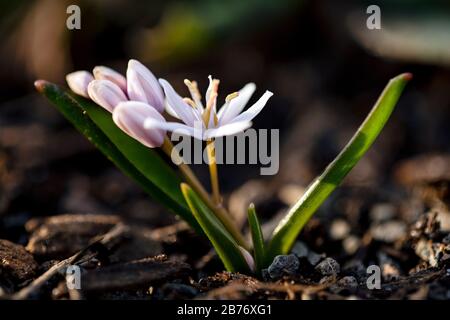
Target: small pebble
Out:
[348,282]
[328,267]
[389,231]
[382,212]
[424,249]
[351,244]
[356,268]
[314,258]
[389,268]
[339,229]
[301,250]
[283,265]
[265,275]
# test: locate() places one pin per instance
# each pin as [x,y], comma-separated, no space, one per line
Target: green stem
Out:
[193,181]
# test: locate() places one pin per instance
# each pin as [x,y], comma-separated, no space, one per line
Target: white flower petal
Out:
[130,117]
[175,127]
[143,86]
[227,130]
[254,110]
[236,105]
[105,73]
[170,110]
[184,111]
[78,82]
[106,94]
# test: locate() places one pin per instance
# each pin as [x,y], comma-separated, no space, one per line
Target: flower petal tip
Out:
[78,82]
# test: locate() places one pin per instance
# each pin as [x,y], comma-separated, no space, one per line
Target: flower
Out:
[106,94]
[203,122]
[130,116]
[131,100]
[78,82]
[248,258]
[110,87]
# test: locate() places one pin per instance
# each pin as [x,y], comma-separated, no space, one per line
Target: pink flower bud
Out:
[105,73]
[78,82]
[130,117]
[143,86]
[248,258]
[106,94]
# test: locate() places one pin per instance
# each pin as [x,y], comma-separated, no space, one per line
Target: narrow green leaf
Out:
[145,159]
[80,118]
[289,228]
[224,244]
[257,238]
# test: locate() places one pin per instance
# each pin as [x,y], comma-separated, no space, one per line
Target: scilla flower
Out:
[108,88]
[131,100]
[204,122]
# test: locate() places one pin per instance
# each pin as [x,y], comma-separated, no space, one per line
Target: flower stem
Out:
[190,177]
[213,172]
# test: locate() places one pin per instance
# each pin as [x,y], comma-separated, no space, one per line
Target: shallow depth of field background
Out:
[324,66]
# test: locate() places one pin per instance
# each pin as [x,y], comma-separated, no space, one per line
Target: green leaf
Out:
[145,159]
[257,238]
[138,162]
[224,244]
[288,229]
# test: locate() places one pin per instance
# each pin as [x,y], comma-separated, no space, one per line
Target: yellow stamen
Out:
[193,89]
[211,101]
[216,120]
[207,112]
[189,102]
[231,96]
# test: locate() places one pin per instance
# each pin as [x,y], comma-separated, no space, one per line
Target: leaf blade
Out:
[257,238]
[146,160]
[288,229]
[75,114]
[224,244]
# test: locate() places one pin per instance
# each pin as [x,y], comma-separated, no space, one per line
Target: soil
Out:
[121,259]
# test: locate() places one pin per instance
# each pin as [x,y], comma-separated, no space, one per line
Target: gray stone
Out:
[328,267]
[348,282]
[301,250]
[283,265]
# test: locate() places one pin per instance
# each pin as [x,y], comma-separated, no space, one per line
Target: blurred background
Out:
[324,65]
